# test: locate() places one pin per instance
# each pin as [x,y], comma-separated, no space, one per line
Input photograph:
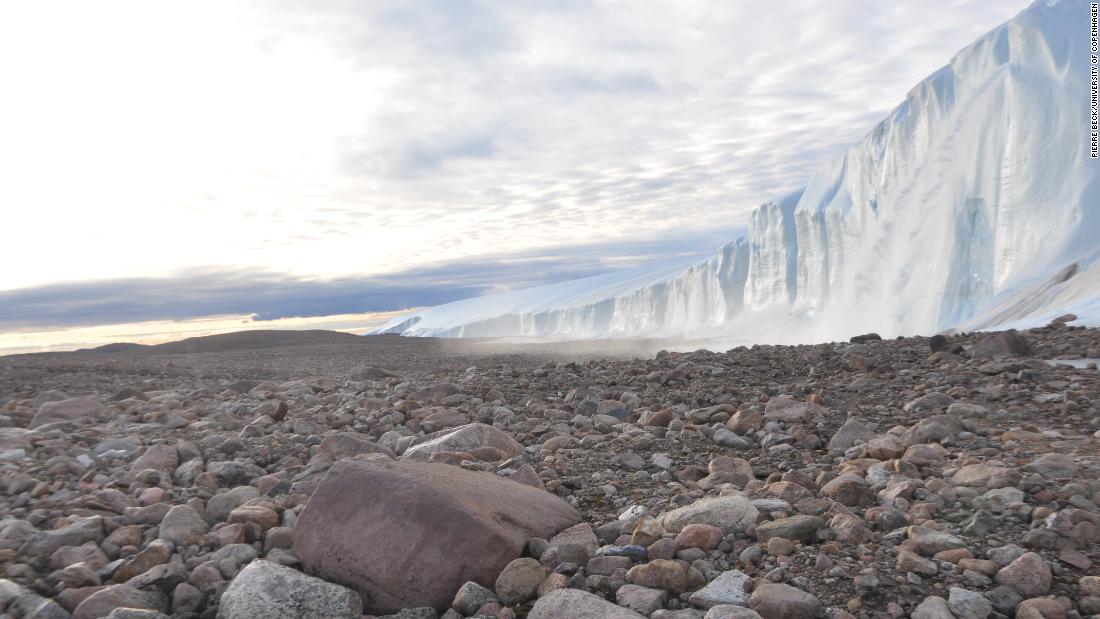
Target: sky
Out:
[171,161]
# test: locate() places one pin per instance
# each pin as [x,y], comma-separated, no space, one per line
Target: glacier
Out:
[973,205]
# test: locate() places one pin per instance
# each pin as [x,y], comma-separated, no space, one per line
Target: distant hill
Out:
[224,342]
[113,348]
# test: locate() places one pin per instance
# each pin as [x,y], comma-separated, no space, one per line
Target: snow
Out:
[973,205]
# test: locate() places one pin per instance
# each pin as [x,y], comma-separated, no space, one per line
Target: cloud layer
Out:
[269,295]
[343,147]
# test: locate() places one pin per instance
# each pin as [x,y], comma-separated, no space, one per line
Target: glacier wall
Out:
[975,190]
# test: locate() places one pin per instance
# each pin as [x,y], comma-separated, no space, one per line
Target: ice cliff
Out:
[975,204]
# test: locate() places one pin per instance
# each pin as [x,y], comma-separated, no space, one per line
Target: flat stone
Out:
[272,591]
[729,513]
[463,438]
[779,601]
[102,602]
[687,613]
[577,604]
[727,588]
[729,611]
[635,552]
[68,410]
[912,562]
[351,444]
[369,372]
[792,411]
[986,475]
[606,565]
[800,527]
[1075,558]
[966,409]
[929,401]
[727,438]
[1053,465]
[136,613]
[261,516]
[643,600]
[931,541]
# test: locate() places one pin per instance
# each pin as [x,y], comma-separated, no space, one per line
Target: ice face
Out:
[975,204]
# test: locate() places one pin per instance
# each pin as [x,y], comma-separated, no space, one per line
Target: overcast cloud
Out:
[345,150]
[268,295]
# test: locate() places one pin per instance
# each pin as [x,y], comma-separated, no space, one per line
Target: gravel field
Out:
[320,474]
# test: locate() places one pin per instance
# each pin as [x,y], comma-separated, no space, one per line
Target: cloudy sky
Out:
[171,160]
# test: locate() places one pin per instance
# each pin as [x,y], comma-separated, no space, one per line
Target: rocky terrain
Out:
[946,477]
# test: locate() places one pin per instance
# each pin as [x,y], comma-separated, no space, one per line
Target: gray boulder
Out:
[576,604]
[272,591]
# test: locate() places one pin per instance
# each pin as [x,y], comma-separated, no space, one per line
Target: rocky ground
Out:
[931,478]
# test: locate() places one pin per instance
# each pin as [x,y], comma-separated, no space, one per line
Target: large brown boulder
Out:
[463,438]
[409,534]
